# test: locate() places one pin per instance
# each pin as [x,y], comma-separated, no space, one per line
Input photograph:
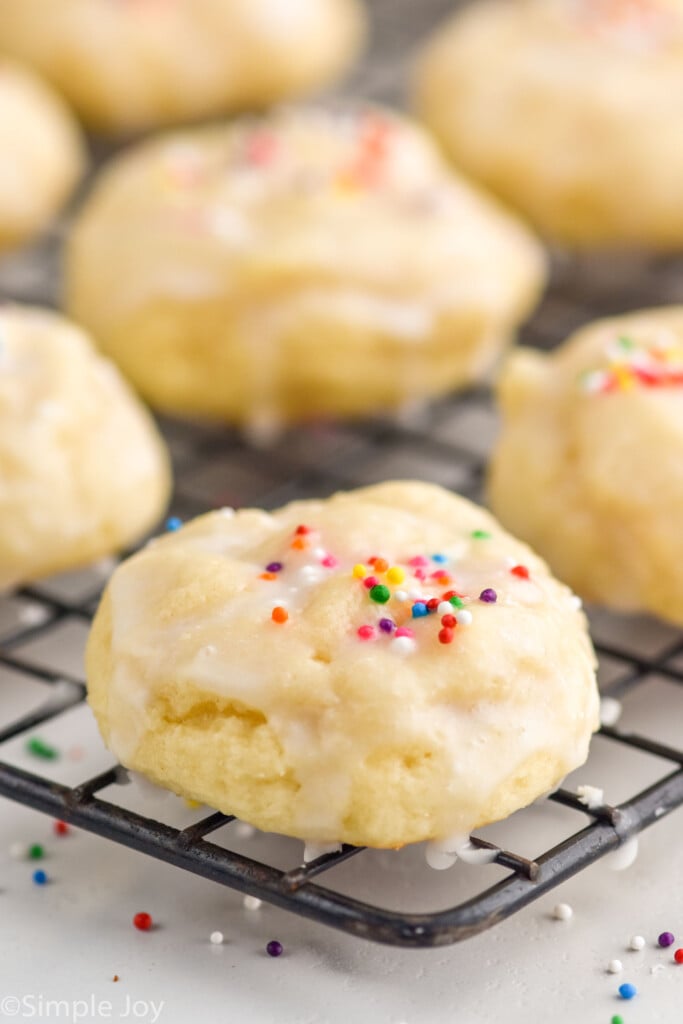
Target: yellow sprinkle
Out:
[192,804]
[625,378]
[359,571]
[396,574]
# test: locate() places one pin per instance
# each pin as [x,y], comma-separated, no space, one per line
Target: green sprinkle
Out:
[380,593]
[39,748]
[617,1019]
[36,852]
[626,343]
[481,534]
[457,602]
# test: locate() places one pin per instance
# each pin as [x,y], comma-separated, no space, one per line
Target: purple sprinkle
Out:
[666,939]
[387,625]
[488,596]
[274,948]
[274,567]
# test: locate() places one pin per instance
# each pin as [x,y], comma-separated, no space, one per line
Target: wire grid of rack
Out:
[446,443]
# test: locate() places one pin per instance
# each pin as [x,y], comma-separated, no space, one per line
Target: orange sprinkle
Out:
[444,580]
[299,543]
[268,576]
[380,565]
[279,614]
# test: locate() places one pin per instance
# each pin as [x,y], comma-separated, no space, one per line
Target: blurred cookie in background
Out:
[311,262]
[127,65]
[42,154]
[569,110]
[589,466]
[83,471]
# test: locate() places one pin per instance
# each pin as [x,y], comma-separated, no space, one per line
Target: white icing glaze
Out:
[245,675]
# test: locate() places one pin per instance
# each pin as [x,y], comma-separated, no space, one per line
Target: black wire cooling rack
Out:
[446,443]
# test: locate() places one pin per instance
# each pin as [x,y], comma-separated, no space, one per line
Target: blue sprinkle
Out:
[441,559]
[627,991]
[420,609]
[173,523]
[39,877]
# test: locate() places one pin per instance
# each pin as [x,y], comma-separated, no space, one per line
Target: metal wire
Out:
[447,444]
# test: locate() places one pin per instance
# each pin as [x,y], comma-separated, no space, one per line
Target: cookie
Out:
[83,471]
[378,668]
[311,262]
[131,65]
[565,109]
[42,154]
[589,466]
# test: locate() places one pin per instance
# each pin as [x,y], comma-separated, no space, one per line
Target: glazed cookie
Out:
[82,469]
[308,263]
[42,154]
[383,667]
[126,65]
[589,467]
[577,127]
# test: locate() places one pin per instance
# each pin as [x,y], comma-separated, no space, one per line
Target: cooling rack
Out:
[445,443]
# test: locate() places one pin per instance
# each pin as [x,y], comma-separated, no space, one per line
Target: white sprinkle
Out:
[251,902]
[575,602]
[636,943]
[400,595]
[463,617]
[216,938]
[32,614]
[591,797]
[18,851]
[319,553]
[310,574]
[657,969]
[615,967]
[445,608]
[610,711]
[244,830]
[415,594]
[226,512]
[562,912]
[403,644]
[314,850]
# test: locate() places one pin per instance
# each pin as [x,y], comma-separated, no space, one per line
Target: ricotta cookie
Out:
[566,109]
[126,65]
[83,471]
[379,668]
[589,467]
[311,262]
[42,154]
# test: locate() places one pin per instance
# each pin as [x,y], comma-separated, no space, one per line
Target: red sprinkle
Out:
[369,582]
[61,828]
[302,530]
[143,922]
[446,635]
[449,621]
[366,632]
[433,604]
[678,956]
[521,571]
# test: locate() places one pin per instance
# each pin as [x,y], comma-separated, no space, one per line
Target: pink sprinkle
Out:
[419,574]
[419,560]
[404,631]
[366,632]
[370,581]
[330,562]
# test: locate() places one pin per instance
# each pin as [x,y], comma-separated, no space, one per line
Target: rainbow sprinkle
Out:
[416,594]
[631,364]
